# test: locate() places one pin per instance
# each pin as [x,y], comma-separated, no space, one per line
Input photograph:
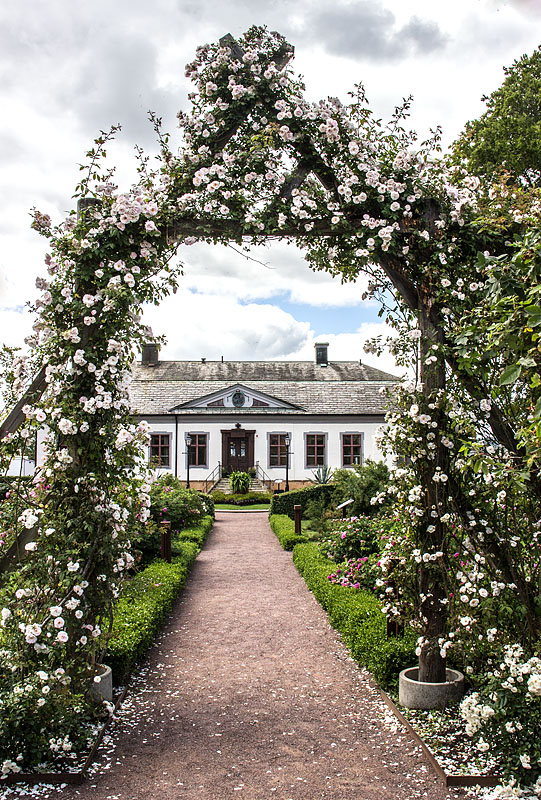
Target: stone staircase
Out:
[255,486]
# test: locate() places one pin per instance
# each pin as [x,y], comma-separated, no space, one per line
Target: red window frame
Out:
[198,450]
[160,449]
[316,447]
[277,450]
[352,449]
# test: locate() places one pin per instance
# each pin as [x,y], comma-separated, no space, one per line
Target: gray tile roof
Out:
[342,387]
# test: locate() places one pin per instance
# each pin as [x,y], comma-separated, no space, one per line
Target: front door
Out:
[238,450]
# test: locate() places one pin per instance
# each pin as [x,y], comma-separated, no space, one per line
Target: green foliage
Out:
[140,611]
[362,572]
[66,719]
[354,537]
[284,528]
[283,503]
[357,615]
[208,504]
[508,134]
[248,499]
[362,482]
[505,712]
[320,515]
[171,501]
[197,534]
[239,482]
[148,540]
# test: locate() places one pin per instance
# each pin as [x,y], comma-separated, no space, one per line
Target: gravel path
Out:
[249,693]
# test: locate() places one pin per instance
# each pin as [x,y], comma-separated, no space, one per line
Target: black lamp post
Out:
[188,440]
[287,440]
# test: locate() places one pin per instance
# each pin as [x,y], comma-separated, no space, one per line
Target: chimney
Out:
[151,354]
[321,353]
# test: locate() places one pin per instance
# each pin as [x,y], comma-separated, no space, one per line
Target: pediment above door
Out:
[239,397]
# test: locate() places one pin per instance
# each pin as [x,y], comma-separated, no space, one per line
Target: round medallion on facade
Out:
[238,399]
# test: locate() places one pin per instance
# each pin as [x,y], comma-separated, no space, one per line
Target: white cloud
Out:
[68,69]
[16,325]
[209,326]
[203,326]
[278,269]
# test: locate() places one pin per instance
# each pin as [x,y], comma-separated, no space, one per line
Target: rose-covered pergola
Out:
[257,162]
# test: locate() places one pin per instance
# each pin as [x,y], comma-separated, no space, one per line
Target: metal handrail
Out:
[213,478]
[262,476]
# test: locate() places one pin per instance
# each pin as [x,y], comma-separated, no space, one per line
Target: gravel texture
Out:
[249,693]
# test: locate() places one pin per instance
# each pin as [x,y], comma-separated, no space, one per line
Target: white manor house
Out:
[209,418]
[224,416]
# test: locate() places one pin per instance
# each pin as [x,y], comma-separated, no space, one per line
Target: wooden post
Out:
[297,510]
[165,546]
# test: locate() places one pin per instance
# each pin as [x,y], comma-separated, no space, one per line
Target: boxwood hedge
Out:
[147,599]
[357,615]
[248,499]
[283,503]
[284,528]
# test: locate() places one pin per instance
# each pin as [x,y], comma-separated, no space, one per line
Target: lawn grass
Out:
[231,507]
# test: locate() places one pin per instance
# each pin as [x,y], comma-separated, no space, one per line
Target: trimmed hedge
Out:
[147,599]
[284,528]
[248,499]
[197,534]
[283,503]
[357,615]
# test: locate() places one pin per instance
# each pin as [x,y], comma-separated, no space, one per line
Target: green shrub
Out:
[357,615]
[148,539]
[283,503]
[172,502]
[208,504]
[144,604]
[358,573]
[284,528]
[197,534]
[239,482]
[361,483]
[354,537]
[248,499]
[9,482]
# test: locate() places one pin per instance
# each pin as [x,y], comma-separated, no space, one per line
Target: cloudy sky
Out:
[69,69]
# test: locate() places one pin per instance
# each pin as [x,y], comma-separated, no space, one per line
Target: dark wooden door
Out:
[238,450]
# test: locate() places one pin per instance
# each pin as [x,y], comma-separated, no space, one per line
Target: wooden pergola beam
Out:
[16,417]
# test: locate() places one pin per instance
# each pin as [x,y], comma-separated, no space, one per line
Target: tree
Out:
[508,135]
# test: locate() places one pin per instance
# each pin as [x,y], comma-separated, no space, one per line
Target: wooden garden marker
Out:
[165,546]
[297,510]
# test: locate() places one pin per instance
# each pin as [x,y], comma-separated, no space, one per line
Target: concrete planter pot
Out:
[413,693]
[103,688]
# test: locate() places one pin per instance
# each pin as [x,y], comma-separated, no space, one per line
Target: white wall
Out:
[297,428]
[27,467]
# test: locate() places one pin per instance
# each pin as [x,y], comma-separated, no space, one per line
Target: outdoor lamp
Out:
[287,440]
[188,440]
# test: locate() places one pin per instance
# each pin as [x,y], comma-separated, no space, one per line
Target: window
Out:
[315,449]
[159,450]
[198,450]
[277,450]
[352,449]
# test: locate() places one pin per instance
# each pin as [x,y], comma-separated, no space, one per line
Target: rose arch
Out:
[258,161]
